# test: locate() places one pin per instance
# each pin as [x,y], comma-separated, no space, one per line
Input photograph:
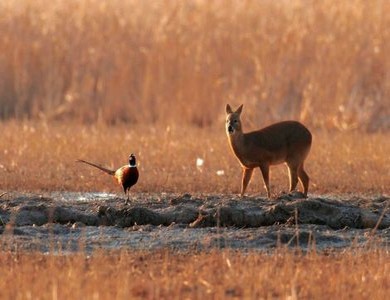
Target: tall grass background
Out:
[324,63]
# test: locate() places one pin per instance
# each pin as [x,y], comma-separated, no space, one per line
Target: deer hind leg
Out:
[246,177]
[293,175]
[304,179]
[265,172]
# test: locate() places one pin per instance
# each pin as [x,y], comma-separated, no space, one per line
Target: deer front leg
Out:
[265,172]
[246,177]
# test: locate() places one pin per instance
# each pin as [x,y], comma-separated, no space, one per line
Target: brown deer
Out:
[284,142]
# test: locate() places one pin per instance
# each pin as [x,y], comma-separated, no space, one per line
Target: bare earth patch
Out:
[65,221]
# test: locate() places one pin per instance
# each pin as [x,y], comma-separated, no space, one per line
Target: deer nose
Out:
[230,129]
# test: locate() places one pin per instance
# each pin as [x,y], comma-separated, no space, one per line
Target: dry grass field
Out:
[41,157]
[324,63]
[99,80]
[153,78]
[355,274]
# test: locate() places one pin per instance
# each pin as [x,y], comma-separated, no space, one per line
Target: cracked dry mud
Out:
[66,221]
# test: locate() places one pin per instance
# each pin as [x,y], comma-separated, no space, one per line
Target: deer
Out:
[286,142]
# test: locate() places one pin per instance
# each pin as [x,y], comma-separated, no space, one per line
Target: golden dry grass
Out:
[41,157]
[322,62]
[355,274]
[161,72]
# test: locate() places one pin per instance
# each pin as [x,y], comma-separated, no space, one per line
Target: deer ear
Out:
[228,109]
[239,109]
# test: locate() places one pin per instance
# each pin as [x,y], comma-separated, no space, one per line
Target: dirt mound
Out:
[198,211]
[69,221]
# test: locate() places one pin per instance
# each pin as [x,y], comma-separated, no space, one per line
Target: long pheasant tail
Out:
[108,171]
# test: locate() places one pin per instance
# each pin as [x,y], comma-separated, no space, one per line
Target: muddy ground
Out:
[66,221]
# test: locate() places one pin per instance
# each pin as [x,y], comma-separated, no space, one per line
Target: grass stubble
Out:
[213,275]
[168,108]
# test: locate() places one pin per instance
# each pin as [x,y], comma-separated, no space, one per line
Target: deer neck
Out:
[237,142]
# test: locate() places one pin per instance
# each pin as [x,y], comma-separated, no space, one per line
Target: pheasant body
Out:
[127,176]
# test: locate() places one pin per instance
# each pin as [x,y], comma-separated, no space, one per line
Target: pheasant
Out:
[127,175]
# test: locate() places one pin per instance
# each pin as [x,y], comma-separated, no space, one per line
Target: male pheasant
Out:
[127,175]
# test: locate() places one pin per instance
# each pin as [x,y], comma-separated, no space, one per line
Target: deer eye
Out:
[235,121]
